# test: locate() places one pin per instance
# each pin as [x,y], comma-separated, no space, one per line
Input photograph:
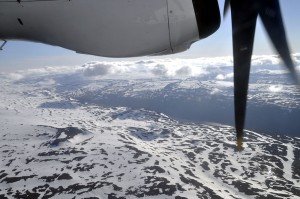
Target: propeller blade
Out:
[226,7]
[244,19]
[271,17]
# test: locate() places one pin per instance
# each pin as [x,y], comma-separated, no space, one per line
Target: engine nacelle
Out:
[111,28]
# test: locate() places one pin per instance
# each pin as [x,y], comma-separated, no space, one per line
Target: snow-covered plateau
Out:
[66,134]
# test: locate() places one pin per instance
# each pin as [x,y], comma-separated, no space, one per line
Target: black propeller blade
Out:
[271,17]
[244,15]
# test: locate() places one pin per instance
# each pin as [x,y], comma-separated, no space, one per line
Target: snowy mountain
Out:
[68,133]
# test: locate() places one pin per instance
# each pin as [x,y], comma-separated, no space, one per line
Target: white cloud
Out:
[272,72]
[15,76]
[265,60]
[221,67]
[94,69]
[184,71]
[159,70]
[223,77]
[224,84]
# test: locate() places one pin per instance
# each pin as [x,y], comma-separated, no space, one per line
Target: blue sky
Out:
[22,55]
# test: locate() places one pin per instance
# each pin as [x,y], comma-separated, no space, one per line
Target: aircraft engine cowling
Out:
[111,28]
[192,21]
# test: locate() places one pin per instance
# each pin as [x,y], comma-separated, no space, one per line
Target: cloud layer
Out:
[218,68]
